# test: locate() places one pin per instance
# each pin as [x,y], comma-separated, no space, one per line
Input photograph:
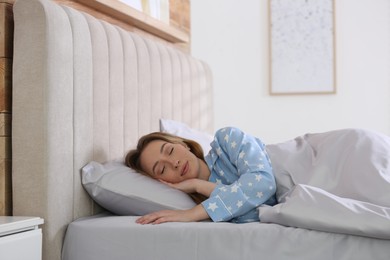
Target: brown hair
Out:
[132,158]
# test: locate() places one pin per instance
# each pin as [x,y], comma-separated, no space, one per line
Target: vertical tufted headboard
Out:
[86,90]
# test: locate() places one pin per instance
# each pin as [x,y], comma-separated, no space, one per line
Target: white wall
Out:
[232,37]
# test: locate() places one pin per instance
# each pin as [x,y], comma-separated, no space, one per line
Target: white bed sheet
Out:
[119,237]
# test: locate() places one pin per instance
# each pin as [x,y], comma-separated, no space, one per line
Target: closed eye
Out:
[169,153]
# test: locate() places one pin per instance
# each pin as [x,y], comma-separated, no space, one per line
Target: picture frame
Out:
[302,47]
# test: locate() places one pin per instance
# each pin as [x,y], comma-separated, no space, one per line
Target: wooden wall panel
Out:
[5,85]
[6,51]
[6,29]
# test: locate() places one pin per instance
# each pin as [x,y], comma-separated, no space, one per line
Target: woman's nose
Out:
[176,164]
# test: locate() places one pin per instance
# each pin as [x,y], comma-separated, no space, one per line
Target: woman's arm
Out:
[197,213]
[205,187]
[242,162]
[194,185]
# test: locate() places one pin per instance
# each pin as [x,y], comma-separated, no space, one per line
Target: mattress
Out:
[111,237]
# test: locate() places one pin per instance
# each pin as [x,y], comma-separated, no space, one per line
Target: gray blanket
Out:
[337,181]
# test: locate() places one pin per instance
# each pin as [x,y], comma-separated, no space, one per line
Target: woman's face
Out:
[170,162]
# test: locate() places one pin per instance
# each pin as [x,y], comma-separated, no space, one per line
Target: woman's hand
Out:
[197,213]
[187,186]
[193,185]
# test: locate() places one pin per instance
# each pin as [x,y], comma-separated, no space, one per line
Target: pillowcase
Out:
[121,190]
[183,130]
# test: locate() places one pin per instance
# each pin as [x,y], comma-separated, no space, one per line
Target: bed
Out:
[84,91]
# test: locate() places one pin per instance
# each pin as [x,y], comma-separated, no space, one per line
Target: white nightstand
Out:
[20,238]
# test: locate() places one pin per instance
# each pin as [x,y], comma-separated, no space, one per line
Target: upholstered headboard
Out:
[86,90]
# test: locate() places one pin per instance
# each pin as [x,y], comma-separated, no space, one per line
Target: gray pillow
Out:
[121,190]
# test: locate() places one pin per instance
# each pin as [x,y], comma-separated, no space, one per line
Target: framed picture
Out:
[302,47]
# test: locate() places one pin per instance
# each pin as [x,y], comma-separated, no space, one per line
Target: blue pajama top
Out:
[242,170]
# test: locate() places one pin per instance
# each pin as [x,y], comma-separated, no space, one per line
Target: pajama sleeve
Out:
[243,159]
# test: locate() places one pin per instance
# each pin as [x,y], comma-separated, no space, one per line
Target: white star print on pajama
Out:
[242,170]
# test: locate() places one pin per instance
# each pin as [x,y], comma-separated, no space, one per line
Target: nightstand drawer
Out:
[20,238]
[25,245]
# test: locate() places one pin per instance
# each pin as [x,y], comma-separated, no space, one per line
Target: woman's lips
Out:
[185,169]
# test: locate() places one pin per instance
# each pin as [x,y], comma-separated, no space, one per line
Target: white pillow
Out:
[121,190]
[183,130]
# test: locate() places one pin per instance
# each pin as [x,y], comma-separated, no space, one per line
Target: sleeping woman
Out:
[235,177]
[313,178]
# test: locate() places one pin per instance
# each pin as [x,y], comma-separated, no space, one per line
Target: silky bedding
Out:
[334,203]
[337,181]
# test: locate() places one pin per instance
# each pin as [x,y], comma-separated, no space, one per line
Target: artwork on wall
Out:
[302,47]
